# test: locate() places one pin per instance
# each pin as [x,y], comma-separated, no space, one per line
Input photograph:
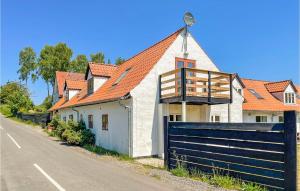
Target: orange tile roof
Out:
[61,77]
[277,86]
[105,70]
[269,102]
[140,65]
[57,105]
[76,84]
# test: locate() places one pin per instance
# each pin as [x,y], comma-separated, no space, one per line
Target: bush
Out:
[5,110]
[54,122]
[72,137]
[59,130]
[87,137]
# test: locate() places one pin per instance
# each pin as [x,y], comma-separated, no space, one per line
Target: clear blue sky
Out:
[256,38]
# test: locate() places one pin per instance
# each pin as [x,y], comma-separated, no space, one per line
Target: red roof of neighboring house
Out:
[76,84]
[57,104]
[61,77]
[277,86]
[269,101]
[99,69]
[137,68]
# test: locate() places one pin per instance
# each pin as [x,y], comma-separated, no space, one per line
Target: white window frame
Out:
[289,98]
[214,119]
[174,115]
[261,118]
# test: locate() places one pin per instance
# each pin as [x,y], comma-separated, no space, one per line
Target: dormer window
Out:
[90,85]
[289,98]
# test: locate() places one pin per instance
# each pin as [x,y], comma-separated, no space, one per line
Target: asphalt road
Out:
[31,161]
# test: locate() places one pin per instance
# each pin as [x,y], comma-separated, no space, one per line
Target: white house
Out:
[265,101]
[124,106]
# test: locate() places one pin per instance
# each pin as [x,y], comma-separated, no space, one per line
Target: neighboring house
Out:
[124,106]
[265,101]
[60,78]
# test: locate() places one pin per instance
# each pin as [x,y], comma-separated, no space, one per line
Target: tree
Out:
[27,62]
[79,64]
[16,96]
[52,59]
[98,57]
[119,61]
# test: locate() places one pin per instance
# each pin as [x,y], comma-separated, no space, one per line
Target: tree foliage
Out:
[27,62]
[79,64]
[52,59]
[98,57]
[119,61]
[16,96]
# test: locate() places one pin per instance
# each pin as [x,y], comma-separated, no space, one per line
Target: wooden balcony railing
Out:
[195,85]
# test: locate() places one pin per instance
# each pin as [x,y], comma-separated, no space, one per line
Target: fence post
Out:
[290,154]
[166,142]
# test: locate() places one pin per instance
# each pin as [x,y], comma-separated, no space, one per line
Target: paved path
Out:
[31,161]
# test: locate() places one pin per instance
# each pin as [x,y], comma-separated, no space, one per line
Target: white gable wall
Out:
[72,93]
[147,113]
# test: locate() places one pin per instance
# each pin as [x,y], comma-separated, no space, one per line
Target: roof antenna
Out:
[189,20]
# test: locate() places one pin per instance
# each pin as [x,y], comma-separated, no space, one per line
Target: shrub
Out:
[59,130]
[72,137]
[87,137]
[180,169]
[54,122]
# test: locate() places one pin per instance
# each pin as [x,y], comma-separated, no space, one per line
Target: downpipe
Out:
[126,107]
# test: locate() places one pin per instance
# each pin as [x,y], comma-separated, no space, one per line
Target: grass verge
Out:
[216,179]
[102,151]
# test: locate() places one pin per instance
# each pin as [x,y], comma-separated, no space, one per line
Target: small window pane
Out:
[179,64]
[217,118]
[90,121]
[280,119]
[65,119]
[171,117]
[71,117]
[178,118]
[105,122]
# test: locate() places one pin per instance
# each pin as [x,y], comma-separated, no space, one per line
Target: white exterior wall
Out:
[272,116]
[147,113]
[116,137]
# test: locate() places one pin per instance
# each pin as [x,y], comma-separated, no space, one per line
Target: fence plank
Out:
[235,126]
[231,158]
[270,182]
[233,143]
[275,137]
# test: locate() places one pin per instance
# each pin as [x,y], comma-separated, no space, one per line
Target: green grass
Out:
[216,179]
[102,151]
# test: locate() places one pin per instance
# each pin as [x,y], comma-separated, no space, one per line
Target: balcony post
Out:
[183,84]
[159,88]
[209,86]
[183,111]
[230,78]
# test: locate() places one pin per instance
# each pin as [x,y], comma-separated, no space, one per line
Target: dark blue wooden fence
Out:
[257,152]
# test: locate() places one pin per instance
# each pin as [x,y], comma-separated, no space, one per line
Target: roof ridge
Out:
[278,82]
[179,30]
[95,63]
[255,80]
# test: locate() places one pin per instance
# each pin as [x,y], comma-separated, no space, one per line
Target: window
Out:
[71,117]
[64,119]
[81,117]
[239,91]
[90,120]
[175,117]
[185,63]
[67,94]
[121,77]
[90,85]
[289,98]
[261,119]
[280,119]
[255,94]
[215,118]
[105,122]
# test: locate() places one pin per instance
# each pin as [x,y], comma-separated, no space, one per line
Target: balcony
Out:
[195,86]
